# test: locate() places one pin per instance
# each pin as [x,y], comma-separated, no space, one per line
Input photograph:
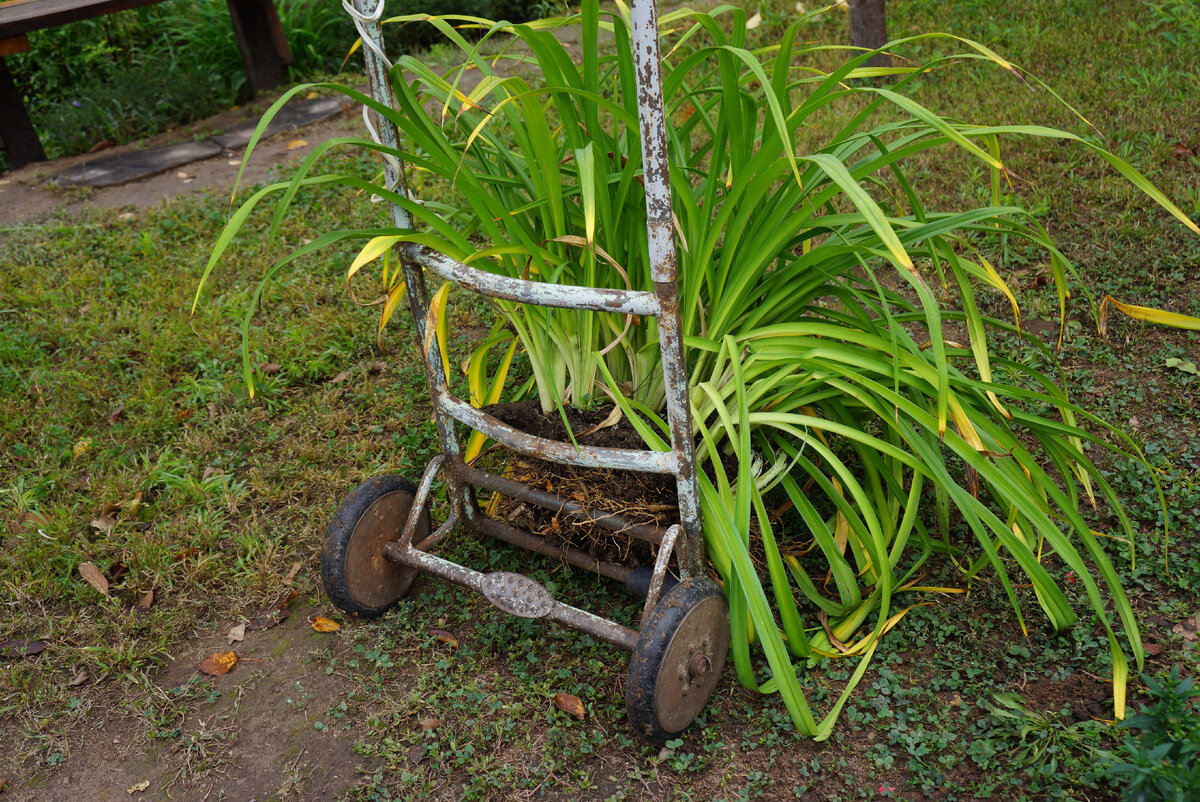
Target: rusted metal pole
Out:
[594,625]
[418,294]
[664,271]
[627,459]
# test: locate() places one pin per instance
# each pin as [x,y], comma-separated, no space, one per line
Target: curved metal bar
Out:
[538,293]
[626,459]
[660,569]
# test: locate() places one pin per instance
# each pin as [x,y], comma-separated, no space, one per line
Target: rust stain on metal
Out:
[534,292]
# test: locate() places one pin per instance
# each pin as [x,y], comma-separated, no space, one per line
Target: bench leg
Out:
[20,140]
[260,37]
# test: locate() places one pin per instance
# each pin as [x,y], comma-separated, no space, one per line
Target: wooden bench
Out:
[260,38]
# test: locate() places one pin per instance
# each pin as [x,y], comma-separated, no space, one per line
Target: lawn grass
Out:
[108,390]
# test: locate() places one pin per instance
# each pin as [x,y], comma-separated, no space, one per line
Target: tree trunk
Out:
[868,28]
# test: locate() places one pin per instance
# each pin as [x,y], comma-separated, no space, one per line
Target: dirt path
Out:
[30,194]
[271,728]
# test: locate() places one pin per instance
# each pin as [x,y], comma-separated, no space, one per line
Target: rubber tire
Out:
[643,683]
[338,537]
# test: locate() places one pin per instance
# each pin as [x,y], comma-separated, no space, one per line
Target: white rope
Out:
[360,22]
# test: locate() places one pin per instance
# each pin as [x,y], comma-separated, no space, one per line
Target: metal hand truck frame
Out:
[380,538]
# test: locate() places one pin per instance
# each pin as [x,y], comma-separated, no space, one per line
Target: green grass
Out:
[94,318]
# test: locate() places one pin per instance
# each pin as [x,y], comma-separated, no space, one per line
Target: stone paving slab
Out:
[290,118]
[108,171]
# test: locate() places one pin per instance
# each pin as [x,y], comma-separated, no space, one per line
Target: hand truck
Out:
[380,538]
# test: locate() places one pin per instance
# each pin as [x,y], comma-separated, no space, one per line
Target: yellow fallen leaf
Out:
[137,789]
[83,445]
[94,578]
[296,143]
[569,703]
[325,625]
[218,664]
[444,637]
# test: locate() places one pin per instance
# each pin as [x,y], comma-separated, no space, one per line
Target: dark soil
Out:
[643,498]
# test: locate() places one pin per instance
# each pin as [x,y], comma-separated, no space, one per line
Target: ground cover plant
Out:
[862,411]
[94,323]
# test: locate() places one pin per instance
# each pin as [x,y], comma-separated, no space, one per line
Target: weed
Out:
[1162,762]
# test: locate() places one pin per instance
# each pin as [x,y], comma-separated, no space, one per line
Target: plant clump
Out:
[845,394]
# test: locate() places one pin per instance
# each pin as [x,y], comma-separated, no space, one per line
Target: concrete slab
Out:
[291,117]
[108,171]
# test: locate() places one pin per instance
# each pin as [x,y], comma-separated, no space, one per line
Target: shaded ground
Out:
[254,733]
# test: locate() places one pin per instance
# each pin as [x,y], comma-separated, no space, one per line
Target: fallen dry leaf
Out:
[81,446]
[218,664]
[378,367]
[428,724]
[269,368]
[116,414]
[444,637]
[147,601]
[11,649]
[416,754]
[78,679]
[139,788]
[236,634]
[181,174]
[1188,629]
[569,703]
[1181,151]
[290,575]
[106,519]
[133,505]
[1152,649]
[296,143]
[341,377]
[267,619]
[324,624]
[288,599]
[94,578]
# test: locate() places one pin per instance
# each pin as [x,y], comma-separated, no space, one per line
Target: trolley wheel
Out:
[678,659]
[357,576]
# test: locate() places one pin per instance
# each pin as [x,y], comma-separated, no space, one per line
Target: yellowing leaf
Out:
[137,789]
[1146,313]
[218,664]
[569,703]
[94,578]
[83,445]
[325,625]
[296,143]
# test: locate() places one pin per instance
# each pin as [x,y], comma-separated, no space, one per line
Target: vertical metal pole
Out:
[664,271]
[414,277]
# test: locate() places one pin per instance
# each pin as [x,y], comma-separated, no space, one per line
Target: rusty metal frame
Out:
[685,539]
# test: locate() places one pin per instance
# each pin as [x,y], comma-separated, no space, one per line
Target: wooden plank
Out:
[264,48]
[20,140]
[14,45]
[24,16]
